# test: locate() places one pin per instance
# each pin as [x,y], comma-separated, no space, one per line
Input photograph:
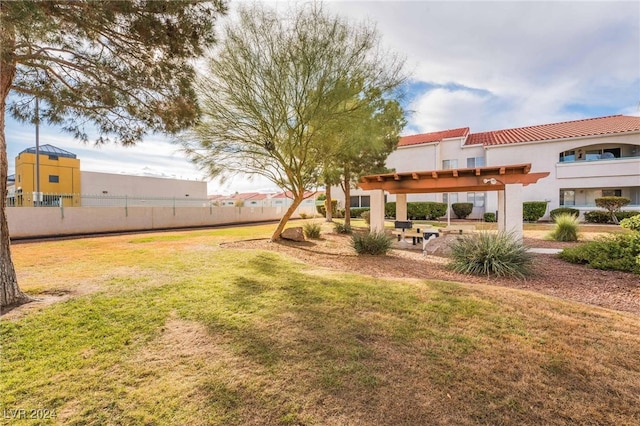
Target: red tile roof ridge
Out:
[433,136]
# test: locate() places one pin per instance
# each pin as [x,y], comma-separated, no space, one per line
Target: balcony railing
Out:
[612,167]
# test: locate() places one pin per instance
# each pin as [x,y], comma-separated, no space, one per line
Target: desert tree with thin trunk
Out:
[275,87]
[107,71]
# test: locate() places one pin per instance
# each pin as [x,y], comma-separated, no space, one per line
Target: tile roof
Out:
[433,137]
[568,129]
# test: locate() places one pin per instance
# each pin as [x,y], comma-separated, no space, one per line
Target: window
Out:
[567,156]
[612,192]
[567,197]
[477,198]
[473,162]
[449,164]
[53,157]
[450,197]
[360,201]
[54,178]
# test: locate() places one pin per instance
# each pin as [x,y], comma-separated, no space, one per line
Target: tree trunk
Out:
[346,186]
[283,221]
[10,293]
[327,204]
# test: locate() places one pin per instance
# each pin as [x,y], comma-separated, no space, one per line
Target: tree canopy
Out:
[118,69]
[278,88]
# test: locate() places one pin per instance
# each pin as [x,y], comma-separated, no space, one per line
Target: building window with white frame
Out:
[477,198]
[449,164]
[450,197]
[567,197]
[473,162]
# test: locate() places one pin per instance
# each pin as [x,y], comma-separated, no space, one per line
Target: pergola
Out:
[507,180]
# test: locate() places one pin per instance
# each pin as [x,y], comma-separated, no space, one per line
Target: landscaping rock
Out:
[293,234]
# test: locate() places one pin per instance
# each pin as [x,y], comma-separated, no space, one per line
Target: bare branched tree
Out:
[275,88]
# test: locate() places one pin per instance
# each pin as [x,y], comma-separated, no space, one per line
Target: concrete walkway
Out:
[544,250]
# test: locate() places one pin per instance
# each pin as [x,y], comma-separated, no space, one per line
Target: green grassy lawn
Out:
[172,328]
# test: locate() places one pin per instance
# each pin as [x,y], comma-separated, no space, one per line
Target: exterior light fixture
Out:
[491,181]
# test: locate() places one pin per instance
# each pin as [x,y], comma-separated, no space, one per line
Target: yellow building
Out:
[59,177]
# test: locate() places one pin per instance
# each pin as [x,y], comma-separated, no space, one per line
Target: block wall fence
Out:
[34,222]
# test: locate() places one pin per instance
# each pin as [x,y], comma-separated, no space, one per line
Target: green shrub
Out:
[462,210]
[366,215]
[303,215]
[566,228]
[341,228]
[563,210]
[632,223]
[322,209]
[489,254]
[619,252]
[312,229]
[357,211]
[429,210]
[597,216]
[626,214]
[489,217]
[375,243]
[532,211]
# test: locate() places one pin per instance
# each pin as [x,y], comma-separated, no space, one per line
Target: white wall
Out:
[94,183]
[26,222]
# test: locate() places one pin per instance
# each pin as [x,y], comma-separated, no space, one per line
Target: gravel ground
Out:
[552,276]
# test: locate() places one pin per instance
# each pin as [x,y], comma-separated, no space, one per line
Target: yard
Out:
[221,327]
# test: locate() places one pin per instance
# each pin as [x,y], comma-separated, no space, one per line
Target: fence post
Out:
[174,206]
[126,206]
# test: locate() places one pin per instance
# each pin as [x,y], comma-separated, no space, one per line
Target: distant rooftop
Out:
[50,150]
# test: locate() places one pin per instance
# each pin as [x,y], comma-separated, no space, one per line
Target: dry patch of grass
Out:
[182,331]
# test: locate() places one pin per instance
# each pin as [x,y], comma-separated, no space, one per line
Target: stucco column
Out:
[512,217]
[501,212]
[401,206]
[377,210]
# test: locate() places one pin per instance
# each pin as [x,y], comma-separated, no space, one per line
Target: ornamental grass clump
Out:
[312,230]
[566,228]
[374,243]
[490,254]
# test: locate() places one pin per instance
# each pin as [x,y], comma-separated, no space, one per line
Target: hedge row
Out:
[428,210]
[599,216]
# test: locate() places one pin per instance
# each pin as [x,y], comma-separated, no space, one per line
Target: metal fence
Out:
[87,200]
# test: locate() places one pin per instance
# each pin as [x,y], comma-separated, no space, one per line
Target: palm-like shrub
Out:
[375,243]
[312,230]
[489,254]
[566,228]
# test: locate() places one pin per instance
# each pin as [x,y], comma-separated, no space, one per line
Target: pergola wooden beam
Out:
[452,180]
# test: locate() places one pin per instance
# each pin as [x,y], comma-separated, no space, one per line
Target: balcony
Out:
[607,167]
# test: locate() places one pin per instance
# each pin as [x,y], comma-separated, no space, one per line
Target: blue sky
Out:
[483,65]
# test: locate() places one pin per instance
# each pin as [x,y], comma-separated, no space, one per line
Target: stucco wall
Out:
[25,222]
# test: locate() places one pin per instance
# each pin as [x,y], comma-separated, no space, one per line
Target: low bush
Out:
[566,228]
[374,243]
[357,211]
[489,254]
[489,217]
[428,210]
[619,252]
[366,215]
[303,215]
[341,228]
[632,223]
[462,210]
[312,230]
[563,210]
[626,215]
[532,211]
[322,209]
[597,216]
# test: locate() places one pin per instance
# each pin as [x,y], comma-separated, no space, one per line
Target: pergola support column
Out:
[401,206]
[510,210]
[377,210]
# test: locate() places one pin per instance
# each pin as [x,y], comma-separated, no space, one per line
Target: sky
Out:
[482,65]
